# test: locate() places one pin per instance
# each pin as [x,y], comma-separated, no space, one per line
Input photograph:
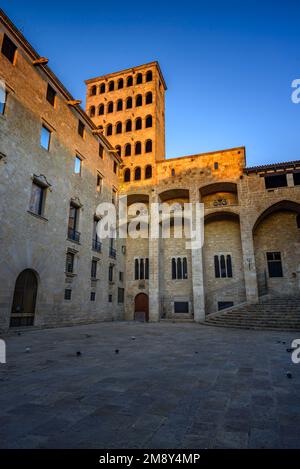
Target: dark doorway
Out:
[141,307]
[23,308]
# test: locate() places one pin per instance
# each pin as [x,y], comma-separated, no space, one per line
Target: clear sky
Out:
[228,64]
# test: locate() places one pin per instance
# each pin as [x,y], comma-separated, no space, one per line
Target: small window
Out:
[94,269]
[296,177]
[115,167]
[81,128]
[139,79]
[110,107]
[216,165]
[70,262]
[93,91]
[45,138]
[101,150]
[111,273]
[224,305]
[149,98]
[119,105]
[120,295]
[109,130]
[139,100]
[51,95]
[129,81]
[110,298]
[274,264]
[272,182]
[138,148]
[92,111]
[149,76]
[93,296]
[77,165]
[101,110]
[172,172]
[179,268]
[73,234]
[128,126]
[37,199]
[111,86]
[149,121]
[121,276]
[129,103]
[99,183]
[119,151]
[102,88]
[127,175]
[148,147]
[223,266]
[9,49]
[128,149]
[119,128]
[137,174]
[68,294]
[181,307]
[138,124]
[120,84]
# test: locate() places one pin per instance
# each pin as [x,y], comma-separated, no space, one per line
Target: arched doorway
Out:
[141,307]
[23,307]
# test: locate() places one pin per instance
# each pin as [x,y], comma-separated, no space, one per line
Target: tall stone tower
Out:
[130,107]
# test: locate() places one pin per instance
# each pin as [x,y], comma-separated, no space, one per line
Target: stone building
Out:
[58,162]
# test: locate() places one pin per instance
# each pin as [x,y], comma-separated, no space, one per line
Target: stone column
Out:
[249,266]
[197,269]
[154,296]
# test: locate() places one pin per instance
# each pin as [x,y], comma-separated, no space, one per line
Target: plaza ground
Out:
[180,385]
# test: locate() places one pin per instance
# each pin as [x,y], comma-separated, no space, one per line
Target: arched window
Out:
[101,110]
[139,79]
[137,174]
[129,103]
[148,172]
[92,111]
[138,124]
[128,149]
[102,88]
[148,147]
[136,269]
[298,221]
[110,107]
[119,105]
[184,268]
[179,268]
[149,98]
[173,268]
[111,86]
[127,175]
[118,148]
[149,121]
[142,270]
[138,148]
[118,127]
[93,91]
[139,100]
[109,129]
[128,126]
[229,266]
[129,81]
[149,76]
[120,84]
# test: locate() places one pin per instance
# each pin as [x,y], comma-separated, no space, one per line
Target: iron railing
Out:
[73,235]
[97,246]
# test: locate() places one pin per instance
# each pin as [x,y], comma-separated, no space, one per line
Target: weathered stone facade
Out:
[245,218]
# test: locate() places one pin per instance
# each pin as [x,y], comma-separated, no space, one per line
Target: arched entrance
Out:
[23,307]
[141,307]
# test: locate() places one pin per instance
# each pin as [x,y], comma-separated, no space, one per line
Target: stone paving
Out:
[170,386]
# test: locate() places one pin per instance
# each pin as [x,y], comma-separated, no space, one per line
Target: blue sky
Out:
[228,64]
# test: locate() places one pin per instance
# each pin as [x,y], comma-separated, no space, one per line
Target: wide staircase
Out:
[272,313]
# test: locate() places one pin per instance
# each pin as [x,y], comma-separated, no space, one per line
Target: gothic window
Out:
[110,107]
[137,174]
[128,149]
[149,121]
[111,86]
[141,268]
[138,148]
[138,124]
[148,147]
[120,83]
[127,175]
[129,103]
[139,79]
[139,100]
[179,268]
[102,88]
[149,76]
[128,126]
[149,98]
[223,266]
[101,110]
[92,111]
[129,81]
[119,105]
[109,130]
[148,172]
[119,128]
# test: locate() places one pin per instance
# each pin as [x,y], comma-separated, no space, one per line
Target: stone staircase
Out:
[281,313]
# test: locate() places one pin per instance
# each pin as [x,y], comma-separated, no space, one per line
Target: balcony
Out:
[73,235]
[112,253]
[97,246]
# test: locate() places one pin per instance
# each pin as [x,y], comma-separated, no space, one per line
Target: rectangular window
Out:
[223,266]
[296,177]
[120,295]
[93,296]
[77,165]
[94,269]
[81,128]
[68,294]
[121,276]
[70,262]
[73,223]
[101,150]
[224,305]
[110,298]
[8,49]
[181,307]
[99,183]
[278,180]
[3,98]
[111,273]
[51,94]
[37,199]
[45,138]
[274,264]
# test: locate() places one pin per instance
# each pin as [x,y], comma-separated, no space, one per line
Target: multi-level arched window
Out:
[92,111]
[138,148]
[138,123]
[137,174]
[119,151]
[111,86]
[102,88]
[129,103]
[129,81]
[119,105]
[139,79]
[101,110]
[139,100]
[179,268]
[109,129]
[149,98]
[110,107]
[93,91]
[149,76]
[148,146]
[127,175]
[148,172]
[149,121]
[128,149]
[128,127]
[120,83]
[118,127]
